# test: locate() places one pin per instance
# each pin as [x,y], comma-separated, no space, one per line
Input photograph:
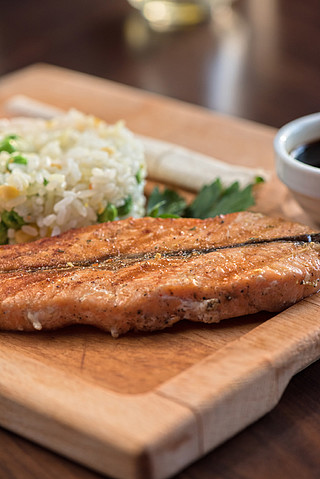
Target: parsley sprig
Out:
[212,200]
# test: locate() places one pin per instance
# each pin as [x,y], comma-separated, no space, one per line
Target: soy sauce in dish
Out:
[308,153]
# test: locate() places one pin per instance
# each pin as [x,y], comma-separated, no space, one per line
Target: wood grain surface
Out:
[148,405]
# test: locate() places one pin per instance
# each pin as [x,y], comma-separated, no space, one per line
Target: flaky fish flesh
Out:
[146,274]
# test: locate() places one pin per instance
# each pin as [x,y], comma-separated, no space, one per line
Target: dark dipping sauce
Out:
[308,153]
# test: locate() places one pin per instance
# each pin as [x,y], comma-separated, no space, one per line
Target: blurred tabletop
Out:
[259,60]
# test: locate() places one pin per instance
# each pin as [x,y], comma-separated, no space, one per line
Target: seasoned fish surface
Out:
[148,273]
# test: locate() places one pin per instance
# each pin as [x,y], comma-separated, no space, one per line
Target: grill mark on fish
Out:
[146,274]
[116,262]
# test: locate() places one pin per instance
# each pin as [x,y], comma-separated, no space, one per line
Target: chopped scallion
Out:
[9,143]
[126,207]
[139,176]
[11,219]
[3,233]
[20,160]
[109,214]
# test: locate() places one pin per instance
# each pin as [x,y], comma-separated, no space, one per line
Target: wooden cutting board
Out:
[146,405]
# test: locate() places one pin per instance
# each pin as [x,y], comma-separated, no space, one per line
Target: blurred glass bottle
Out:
[166,15]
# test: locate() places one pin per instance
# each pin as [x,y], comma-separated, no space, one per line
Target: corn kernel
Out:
[108,150]
[8,192]
[22,237]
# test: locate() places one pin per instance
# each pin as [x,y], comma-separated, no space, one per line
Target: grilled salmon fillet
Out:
[148,273]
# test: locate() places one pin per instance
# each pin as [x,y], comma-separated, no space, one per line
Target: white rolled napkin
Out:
[166,162]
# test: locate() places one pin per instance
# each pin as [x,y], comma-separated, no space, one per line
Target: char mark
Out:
[114,263]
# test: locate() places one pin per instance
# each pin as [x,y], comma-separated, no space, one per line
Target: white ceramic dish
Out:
[303,180]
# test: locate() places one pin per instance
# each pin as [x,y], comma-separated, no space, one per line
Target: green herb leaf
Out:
[168,215]
[11,219]
[258,179]
[126,207]
[233,200]
[167,202]
[212,200]
[109,214]
[153,211]
[206,198]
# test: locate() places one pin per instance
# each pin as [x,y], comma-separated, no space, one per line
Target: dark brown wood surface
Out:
[261,63]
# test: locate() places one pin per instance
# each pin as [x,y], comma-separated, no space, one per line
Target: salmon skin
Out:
[148,273]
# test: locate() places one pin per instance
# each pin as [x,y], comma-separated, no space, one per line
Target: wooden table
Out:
[284,443]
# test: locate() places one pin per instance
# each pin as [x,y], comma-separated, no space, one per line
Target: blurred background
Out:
[255,59]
